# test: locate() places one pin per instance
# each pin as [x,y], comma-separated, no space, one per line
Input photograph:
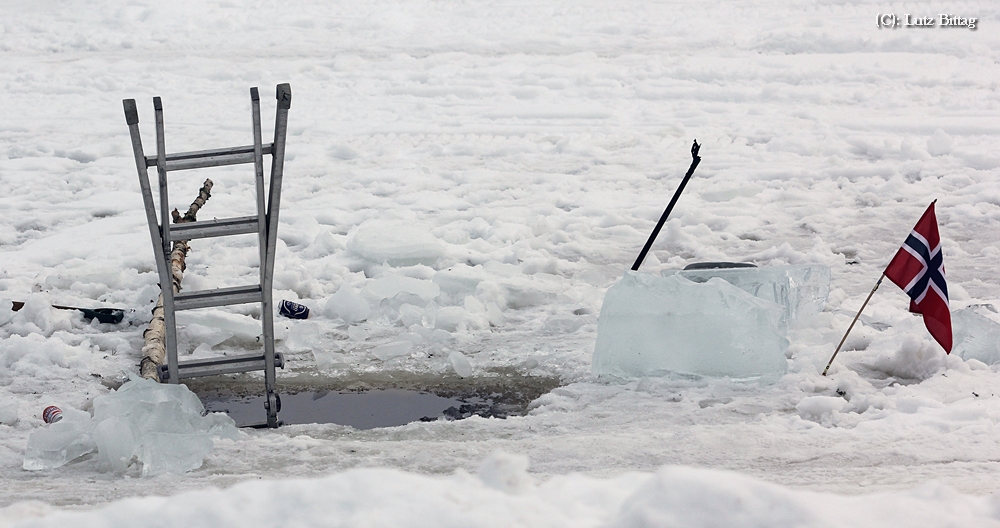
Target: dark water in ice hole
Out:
[361,410]
[378,403]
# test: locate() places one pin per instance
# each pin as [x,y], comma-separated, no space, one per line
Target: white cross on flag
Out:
[918,268]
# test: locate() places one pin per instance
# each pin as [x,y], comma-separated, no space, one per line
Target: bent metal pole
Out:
[695,159]
[835,352]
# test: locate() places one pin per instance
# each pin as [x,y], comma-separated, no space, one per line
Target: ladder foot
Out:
[273,406]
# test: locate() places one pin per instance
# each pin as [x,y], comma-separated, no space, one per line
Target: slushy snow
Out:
[503,493]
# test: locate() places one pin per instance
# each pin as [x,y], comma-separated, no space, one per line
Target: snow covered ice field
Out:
[508,159]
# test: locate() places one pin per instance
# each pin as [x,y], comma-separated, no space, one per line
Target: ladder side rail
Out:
[132,119]
[258,161]
[161,171]
[266,312]
[283,94]
[167,289]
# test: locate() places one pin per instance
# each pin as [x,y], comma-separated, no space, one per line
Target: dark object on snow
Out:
[718,265]
[104,315]
[695,160]
[293,310]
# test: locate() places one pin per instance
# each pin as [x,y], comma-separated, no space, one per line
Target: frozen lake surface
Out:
[464,182]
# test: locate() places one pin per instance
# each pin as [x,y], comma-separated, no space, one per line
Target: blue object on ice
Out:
[293,310]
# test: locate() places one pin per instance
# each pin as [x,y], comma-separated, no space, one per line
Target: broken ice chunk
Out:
[396,244]
[215,326]
[391,350]
[61,442]
[976,336]
[173,452]
[348,305]
[119,442]
[305,336]
[461,364]
[651,325]
[410,315]
[393,285]
[450,318]
[356,333]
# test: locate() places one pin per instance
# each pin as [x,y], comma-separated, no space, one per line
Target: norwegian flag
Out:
[918,268]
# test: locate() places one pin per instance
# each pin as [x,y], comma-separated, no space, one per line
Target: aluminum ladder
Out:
[264,223]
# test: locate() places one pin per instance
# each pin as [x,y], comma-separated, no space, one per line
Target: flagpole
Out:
[849,328]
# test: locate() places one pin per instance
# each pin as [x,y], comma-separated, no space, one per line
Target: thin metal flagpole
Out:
[849,328]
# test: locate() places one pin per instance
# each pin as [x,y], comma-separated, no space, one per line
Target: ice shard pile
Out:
[715,322]
[164,428]
[976,335]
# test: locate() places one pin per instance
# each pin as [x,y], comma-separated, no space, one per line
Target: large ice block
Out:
[651,325]
[800,290]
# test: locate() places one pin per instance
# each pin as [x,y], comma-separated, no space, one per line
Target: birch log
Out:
[154,352]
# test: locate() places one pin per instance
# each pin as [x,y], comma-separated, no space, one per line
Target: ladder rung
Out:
[217,297]
[213,228]
[210,158]
[223,365]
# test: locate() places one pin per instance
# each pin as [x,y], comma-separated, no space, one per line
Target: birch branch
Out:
[154,350]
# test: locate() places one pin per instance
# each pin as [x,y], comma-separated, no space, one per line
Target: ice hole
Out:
[373,400]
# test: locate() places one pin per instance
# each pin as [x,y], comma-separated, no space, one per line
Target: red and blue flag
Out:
[918,268]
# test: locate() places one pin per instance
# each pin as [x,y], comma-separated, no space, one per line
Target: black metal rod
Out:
[695,159]
[104,315]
